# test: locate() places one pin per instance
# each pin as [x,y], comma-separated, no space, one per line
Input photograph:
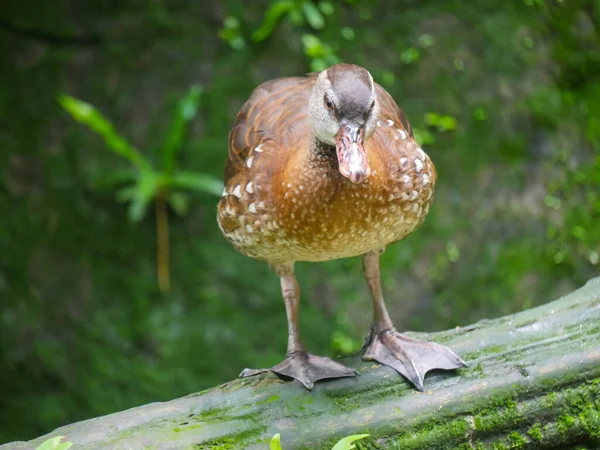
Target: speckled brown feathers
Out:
[286,201]
[275,111]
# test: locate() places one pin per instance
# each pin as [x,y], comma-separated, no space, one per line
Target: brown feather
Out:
[286,201]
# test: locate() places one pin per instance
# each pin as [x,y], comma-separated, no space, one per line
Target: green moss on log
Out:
[533,381]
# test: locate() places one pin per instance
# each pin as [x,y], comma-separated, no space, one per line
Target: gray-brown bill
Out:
[352,159]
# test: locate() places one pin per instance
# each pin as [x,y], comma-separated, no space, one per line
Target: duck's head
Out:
[343,111]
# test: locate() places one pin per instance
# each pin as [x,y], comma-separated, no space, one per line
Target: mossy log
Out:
[533,381]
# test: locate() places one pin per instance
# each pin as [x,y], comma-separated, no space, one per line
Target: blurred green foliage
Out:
[504,96]
[144,184]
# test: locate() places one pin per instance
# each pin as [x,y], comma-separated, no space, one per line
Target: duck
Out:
[322,167]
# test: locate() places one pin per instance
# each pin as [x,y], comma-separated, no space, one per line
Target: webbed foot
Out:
[305,368]
[409,357]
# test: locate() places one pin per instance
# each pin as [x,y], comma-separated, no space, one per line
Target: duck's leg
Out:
[410,357]
[298,363]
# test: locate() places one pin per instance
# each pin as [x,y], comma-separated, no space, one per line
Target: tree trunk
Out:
[533,381]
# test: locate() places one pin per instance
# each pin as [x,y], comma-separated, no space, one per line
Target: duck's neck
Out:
[323,156]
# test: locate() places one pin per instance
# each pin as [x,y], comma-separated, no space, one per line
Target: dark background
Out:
[504,96]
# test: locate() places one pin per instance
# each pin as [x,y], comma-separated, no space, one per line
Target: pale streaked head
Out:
[343,112]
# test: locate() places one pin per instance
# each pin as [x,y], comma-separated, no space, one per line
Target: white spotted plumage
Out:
[418,164]
[237,191]
[303,213]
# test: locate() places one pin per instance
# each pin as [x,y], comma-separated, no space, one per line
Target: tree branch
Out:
[533,381]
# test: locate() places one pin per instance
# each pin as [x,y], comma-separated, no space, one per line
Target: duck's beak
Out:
[352,159]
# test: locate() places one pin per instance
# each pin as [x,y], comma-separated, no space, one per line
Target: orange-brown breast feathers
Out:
[286,201]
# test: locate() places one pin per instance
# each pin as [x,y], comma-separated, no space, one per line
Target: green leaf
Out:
[447,123]
[197,182]
[231,22]
[442,123]
[54,444]
[410,55]
[144,192]
[348,33]
[237,43]
[480,114]
[426,40]
[105,179]
[344,344]
[231,33]
[275,443]
[432,119]
[347,442]
[126,194]
[452,251]
[179,202]
[272,17]
[64,446]
[458,64]
[186,110]
[388,78]
[88,115]
[313,15]
[318,64]
[423,137]
[296,17]
[313,47]
[326,8]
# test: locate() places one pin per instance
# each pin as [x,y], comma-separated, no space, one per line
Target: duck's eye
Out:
[328,103]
